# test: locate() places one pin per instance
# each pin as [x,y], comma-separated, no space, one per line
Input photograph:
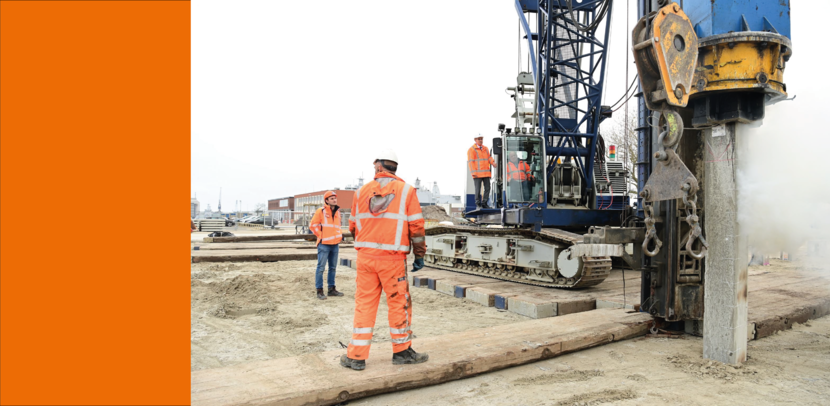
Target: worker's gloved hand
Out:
[418,264]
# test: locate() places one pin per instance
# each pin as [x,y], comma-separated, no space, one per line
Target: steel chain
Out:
[651,232]
[695,232]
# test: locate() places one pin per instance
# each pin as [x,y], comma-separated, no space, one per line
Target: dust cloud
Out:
[783,185]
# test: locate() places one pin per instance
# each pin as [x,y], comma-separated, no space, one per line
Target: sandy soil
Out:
[252,311]
[790,367]
[243,312]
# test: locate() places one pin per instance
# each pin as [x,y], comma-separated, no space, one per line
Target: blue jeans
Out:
[326,253]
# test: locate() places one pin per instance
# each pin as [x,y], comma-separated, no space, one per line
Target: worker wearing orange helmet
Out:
[387,224]
[326,226]
[479,161]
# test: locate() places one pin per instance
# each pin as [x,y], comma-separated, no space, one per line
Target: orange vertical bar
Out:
[94,139]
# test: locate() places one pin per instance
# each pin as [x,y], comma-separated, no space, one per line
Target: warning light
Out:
[612,152]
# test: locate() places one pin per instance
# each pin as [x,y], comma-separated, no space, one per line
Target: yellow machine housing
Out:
[724,78]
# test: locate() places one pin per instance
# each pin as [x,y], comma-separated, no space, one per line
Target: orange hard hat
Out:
[328,195]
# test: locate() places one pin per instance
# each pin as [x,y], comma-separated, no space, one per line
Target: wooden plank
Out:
[252,255]
[318,379]
[275,237]
[775,309]
[254,245]
[261,245]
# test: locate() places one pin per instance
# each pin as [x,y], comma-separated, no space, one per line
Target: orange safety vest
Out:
[385,218]
[520,173]
[479,161]
[325,228]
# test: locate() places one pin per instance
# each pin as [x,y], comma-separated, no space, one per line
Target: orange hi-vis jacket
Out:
[386,217]
[520,173]
[326,228]
[386,223]
[479,161]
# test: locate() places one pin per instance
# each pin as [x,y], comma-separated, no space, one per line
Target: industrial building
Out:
[281,209]
[194,207]
[292,208]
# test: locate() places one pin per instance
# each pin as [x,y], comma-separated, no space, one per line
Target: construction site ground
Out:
[252,313]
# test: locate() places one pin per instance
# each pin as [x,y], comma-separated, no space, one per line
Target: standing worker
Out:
[479,161]
[386,223]
[326,226]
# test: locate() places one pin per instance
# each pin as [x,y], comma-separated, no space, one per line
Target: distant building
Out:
[194,207]
[309,202]
[282,209]
[451,203]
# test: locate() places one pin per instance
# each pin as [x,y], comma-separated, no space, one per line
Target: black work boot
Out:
[333,291]
[356,364]
[320,294]
[408,356]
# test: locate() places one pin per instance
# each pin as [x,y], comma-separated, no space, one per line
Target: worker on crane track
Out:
[479,162]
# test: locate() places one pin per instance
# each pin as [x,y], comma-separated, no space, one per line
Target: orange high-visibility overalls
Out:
[386,223]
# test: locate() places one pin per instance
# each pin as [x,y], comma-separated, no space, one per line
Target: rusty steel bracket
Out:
[668,178]
[665,52]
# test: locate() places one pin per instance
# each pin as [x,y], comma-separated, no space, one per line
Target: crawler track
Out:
[593,271]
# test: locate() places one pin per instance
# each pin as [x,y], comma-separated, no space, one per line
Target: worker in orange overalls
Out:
[387,224]
[479,161]
[518,174]
[326,226]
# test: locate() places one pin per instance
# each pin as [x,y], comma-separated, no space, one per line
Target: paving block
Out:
[533,307]
[500,301]
[614,304]
[576,306]
[420,281]
[431,283]
[460,291]
[445,286]
[482,296]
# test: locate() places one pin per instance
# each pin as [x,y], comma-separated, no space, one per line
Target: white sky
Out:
[288,101]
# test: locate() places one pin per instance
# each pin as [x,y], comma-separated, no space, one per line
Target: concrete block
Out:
[208,239]
[576,306]
[460,291]
[482,296]
[444,286]
[613,304]
[431,283]
[500,301]
[420,281]
[532,307]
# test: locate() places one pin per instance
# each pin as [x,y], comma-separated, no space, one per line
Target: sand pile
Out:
[438,214]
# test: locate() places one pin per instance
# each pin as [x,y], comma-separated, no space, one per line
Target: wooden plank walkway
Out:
[261,245]
[271,255]
[275,237]
[779,298]
[318,379]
